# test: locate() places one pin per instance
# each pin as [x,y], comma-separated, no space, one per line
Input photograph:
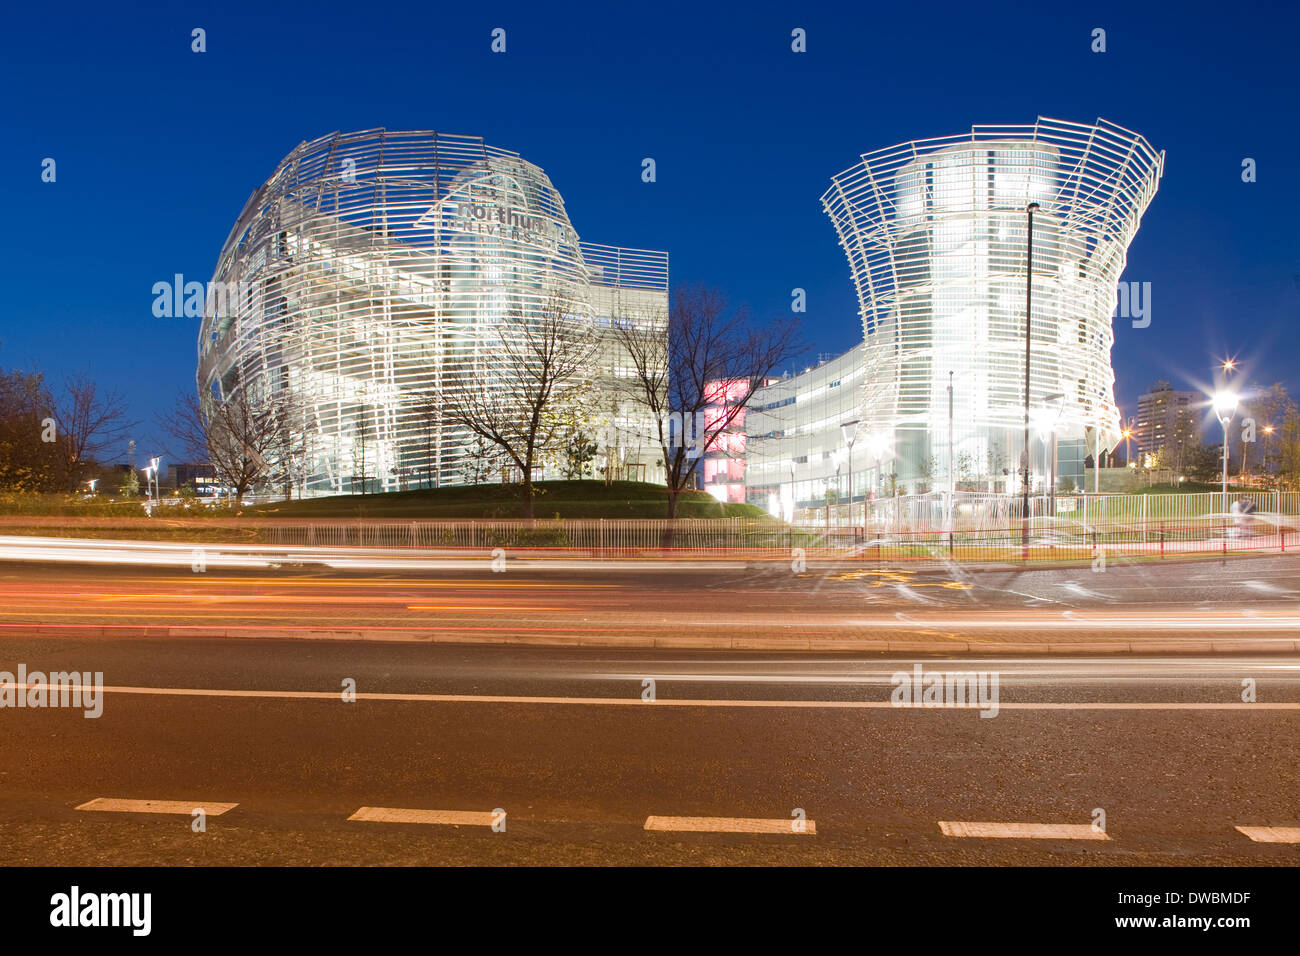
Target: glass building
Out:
[805,455]
[936,234]
[377,271]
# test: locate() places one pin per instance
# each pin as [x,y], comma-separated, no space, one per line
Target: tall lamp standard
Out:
[789,517]
[1029,299]
[1225,403]
[839,490]
[1050,422]
[149,471]
[849,432]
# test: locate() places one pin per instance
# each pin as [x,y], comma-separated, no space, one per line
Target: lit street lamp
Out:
[1225,403]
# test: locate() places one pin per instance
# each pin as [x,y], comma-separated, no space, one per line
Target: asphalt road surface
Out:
[563,747]
[506,754]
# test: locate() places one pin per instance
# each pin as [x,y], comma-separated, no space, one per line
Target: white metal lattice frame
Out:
[935,233]
[375,268]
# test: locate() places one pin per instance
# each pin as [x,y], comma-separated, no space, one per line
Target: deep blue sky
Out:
[158,148]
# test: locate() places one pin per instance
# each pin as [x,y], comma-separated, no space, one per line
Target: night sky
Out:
[157,148]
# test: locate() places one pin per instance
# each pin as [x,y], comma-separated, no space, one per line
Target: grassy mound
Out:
[564,499]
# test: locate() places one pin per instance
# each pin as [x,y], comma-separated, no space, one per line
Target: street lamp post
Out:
[1049,451]
[1096,459]
[1029,298]
[849,432]
[793,500]
[952,474]
[839,490]
[1225,403]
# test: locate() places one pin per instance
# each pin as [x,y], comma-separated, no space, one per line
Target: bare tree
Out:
[428,414]
[507,396]
[89,422]
[689,374]
[244,441]
[479,461]
[360,444]
[186,428]
[1260,408]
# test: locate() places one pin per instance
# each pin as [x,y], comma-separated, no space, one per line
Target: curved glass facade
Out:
[374,270]
[936,234]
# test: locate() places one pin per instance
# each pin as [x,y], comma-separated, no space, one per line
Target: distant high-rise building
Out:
[1167,419]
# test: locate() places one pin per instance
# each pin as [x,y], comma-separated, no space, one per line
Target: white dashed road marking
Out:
[1023,831]
[732,825]
[454,818]
[116,805]
[1272,834]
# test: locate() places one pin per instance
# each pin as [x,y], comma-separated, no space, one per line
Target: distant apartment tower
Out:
[1167,418]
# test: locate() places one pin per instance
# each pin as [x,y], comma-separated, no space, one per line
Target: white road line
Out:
[1023,831]
[1272,834]
[117,805]
[732,825]
[677,702]
[455,818]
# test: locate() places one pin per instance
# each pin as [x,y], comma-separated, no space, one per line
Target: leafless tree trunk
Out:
[428,411]
[688,375]
[89,422]
[244,442]
[508,397]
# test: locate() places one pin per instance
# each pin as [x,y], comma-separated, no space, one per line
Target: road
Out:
[580,768]
[563,746]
